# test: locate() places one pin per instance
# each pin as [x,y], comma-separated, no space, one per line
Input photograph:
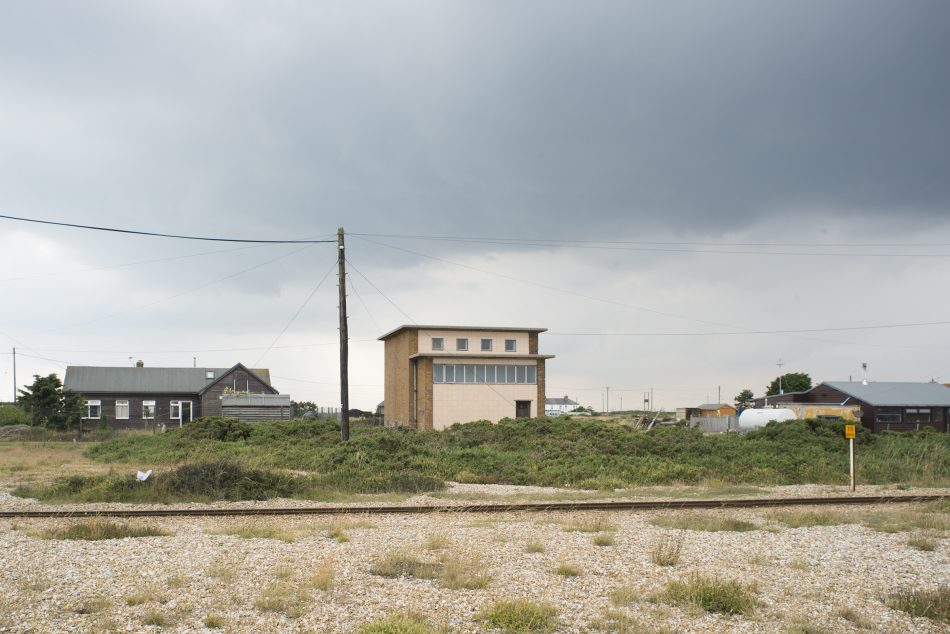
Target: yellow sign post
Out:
[849,433]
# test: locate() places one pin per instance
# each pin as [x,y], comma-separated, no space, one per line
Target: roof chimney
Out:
[864,374]
[140,364]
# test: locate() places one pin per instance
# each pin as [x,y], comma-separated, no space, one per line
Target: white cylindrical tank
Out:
[755,418]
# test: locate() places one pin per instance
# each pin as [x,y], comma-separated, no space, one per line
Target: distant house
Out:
[884,405]
[439,375]
[558,406]
[705,410]
[138,397]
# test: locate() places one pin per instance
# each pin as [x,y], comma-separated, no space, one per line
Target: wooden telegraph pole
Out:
[344,350]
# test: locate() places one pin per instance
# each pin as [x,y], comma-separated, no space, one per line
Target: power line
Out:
[162,235]
[296,314]
[747,332]
[617,245]
[411,320]
[176,295]
[193,350]
[126,264]
[365,307]
[626,305]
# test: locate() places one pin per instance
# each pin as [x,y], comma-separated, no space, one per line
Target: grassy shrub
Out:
[99,529]
[398,624]
[13,415]
[603,539]
[400,564]
[210,481]
[703,522]
[569,570]
[220,429]
[552,452]
[666,550]
[925,544]
[932,604]
[534,546]
[712,595]
[521,616]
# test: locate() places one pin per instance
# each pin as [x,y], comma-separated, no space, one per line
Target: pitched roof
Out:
[171,380]
[559,401]
[895,394]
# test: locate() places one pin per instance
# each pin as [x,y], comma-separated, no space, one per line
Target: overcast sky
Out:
[718,167]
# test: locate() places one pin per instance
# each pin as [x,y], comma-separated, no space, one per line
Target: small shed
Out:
[256,407]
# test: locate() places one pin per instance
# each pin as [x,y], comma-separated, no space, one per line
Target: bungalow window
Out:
[175,410]
[486,345]
[122,410]
[148,410]
[93,409]
[461,345]
[511,345]
[438,343]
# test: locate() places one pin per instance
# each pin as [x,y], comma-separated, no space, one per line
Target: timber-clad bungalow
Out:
[885,405]
[138,397]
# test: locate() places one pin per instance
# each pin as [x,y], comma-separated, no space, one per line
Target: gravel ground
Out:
[803,576]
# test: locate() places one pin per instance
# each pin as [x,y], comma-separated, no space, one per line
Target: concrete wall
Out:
[522,339]
[398,377]
[463,403]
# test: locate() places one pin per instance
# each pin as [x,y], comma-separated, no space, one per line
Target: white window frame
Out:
[89,405]
[146,414]
[438,344]
[127,409]
[511,345]
[172,408]
[461,344]
[488,347]
[178,404]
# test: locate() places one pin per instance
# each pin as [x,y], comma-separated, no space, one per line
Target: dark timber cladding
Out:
[885,405]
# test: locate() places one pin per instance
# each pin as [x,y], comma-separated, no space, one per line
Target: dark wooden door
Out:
[522,409]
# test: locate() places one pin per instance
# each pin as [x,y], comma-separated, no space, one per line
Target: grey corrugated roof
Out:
[172,380]
[559,401]
[894,394]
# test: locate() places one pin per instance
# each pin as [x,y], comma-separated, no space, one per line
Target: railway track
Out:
[639,505]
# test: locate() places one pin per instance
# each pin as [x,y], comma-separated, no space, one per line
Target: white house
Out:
[558,406]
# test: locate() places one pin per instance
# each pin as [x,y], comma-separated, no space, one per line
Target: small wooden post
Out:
[849,433]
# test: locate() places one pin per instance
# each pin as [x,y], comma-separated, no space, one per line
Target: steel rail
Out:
[631,505]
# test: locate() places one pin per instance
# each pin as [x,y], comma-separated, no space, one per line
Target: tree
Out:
[49,404]
[744,399]
[791,382]
[299,408]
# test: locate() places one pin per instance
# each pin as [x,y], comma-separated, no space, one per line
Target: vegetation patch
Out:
[399,624]
[598,524]
[534,546]
[553,452]
[569,570]
[925,544]
[712,595]
[666,550]
[603,539]
[808,519]
[521,616]
[401,564]
[213,481]
[98,529]
[932,604]
[623,596]
[213,622]
[703,522]
[261,531]
[90,606]
[463,574]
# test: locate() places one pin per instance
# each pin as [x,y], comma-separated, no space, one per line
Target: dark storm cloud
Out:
[535,118]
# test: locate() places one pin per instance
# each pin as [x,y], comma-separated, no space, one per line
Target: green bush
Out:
[13,415]
[546,452]
[222,429]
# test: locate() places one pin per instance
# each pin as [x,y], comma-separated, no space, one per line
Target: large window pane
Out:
[469,373]
[122,410]
[510,371]
[438,373]
[520,373]
[500,376]
[489,374]
[479,374]
[450,374]
[532,374]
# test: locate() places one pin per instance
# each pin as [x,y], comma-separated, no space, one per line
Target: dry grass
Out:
[213,622]
[922,543]
[856,618]
[320,578]
[154,618]
[464,574]
[666,550]
[623,596]
[569,570]
[408,623]
[712,595]
[401,564]
[534,546]
[90,606]
[888,521]
[283,597]
[224,570]
[98,529]
[622,623]
[437,541]
[176,581]
[261,531]
[596,524]
[137,599]
[603,539]
[521,616]
[808,519]
[703,522]
[932,604]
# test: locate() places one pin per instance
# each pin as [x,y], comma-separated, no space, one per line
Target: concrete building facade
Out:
[439,375]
